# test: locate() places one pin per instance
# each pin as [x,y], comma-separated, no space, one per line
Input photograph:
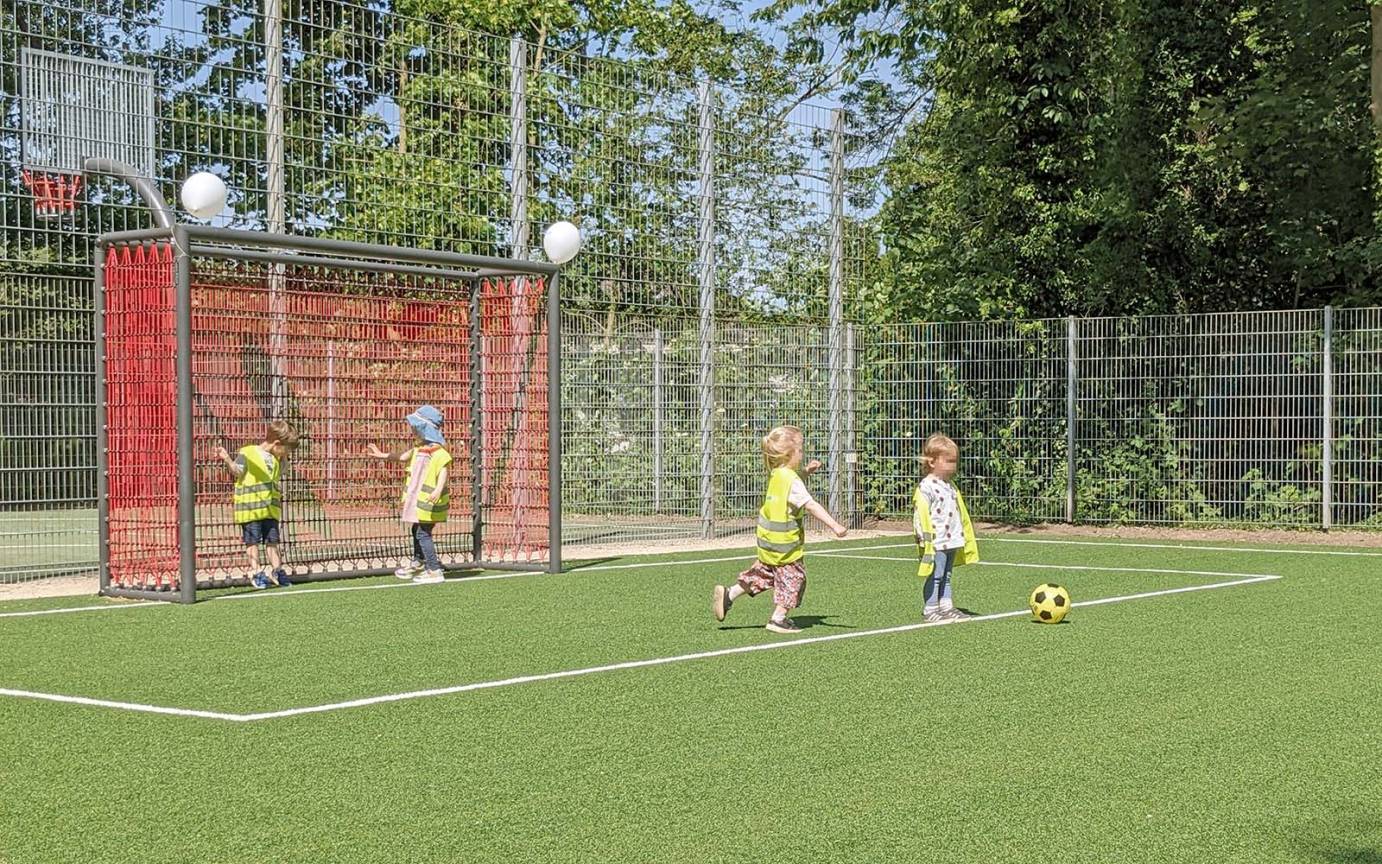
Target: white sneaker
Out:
[410,570]
[427,577]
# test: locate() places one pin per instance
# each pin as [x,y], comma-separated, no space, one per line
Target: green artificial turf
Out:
[1237,724]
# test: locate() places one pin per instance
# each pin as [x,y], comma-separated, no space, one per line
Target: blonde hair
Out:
[779,445]
[282,432]
[936,446]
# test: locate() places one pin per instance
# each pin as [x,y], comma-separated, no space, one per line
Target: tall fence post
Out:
[851,508]
[275,203]
[705,245]
[1071,383]
[518,148]
[657,419]
[102,427]
[187,478]
[1327,432]
[835,306]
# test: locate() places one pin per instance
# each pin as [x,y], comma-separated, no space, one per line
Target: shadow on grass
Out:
[587,562]
[805,622]
[1348,856]
[1352,839]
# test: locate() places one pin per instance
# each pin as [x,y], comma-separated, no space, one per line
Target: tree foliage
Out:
[1119,157]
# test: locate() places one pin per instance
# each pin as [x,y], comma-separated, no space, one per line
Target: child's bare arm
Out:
[392,455]
[811,467]
[231,466]
[441,484]
[815,509]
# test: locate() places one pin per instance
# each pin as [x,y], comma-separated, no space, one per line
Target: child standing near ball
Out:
[425,499]
[781,533]
[945,536]
[257,469]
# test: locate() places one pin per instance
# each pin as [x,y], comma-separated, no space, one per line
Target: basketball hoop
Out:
[55,193]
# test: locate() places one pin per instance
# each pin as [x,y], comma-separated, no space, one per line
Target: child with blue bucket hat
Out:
[425,499]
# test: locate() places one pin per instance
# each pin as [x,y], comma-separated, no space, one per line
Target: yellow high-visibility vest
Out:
[781,527]
[436,460]
[256,491]
[926,533]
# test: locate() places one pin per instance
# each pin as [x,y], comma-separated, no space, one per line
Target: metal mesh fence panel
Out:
[1210,418]
[997,388]
[1357,418]
[766,376]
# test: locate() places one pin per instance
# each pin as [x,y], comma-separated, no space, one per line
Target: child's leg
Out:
[422,536]
[931,591]
[789,588]
[417,542]
[945,601]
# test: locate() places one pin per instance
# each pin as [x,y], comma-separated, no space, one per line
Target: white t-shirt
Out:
[797,496]
[945,513]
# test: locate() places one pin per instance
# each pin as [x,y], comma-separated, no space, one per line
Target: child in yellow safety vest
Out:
[258,469]
[945,536]
[781,533]
[425,499]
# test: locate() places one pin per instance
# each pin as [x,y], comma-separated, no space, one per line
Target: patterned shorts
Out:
[787,581]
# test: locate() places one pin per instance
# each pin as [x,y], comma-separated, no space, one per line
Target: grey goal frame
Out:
[232,244]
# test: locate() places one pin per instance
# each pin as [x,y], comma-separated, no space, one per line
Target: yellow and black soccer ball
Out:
[1049,603]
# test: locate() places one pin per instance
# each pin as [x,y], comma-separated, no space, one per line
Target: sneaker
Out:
[428,577]
[258,581]
[954,614]
[281,578]
[786,625]
[720,602]
[936,617]
[409,570]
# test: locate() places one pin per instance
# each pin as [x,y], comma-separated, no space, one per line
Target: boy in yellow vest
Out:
[781,533]
[258,499]
[425,499]
[945,536]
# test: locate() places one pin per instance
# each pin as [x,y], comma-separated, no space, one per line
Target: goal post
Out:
[206,335]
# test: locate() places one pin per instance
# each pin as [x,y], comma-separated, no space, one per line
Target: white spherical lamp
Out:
[561,242]
[203,195]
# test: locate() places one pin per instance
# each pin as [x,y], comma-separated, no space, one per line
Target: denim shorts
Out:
[260,531]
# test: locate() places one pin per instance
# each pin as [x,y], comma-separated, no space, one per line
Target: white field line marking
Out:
[123,706]
[105,608]
[1064,566]
[591,670]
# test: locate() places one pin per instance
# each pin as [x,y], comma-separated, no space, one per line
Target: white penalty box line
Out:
[592,670]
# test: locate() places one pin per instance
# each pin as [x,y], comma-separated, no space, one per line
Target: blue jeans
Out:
[424,549]
[937,586]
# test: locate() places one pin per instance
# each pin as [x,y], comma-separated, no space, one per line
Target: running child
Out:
[781,534]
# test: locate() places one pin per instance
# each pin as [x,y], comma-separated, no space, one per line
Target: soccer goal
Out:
[205,335]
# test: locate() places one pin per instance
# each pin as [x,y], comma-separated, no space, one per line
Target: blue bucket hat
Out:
[427,422]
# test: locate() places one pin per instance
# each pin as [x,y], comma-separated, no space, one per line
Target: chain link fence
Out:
[728,236]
